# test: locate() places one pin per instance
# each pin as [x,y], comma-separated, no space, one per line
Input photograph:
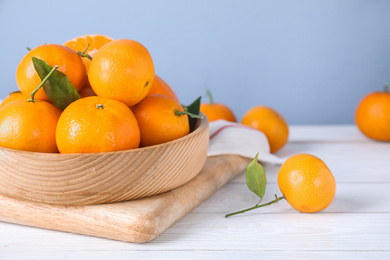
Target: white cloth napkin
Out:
[234,138]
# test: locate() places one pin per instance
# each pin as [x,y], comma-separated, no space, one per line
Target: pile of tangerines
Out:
[113,99]
[95,94]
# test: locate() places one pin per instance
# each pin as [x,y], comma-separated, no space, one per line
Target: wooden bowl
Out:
[95,178]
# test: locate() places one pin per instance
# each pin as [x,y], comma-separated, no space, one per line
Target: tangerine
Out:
[93,41]
[97,124]
[159,86]
[87,90]
[122,70]
[216,111]
[271,123]
[160,119]
[373,115]
[68,61]
[13,96]
[307,183]
[22,127]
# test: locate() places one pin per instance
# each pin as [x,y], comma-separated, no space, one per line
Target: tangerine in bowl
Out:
[105,177]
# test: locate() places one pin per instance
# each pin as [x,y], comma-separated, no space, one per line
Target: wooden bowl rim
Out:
[201,125]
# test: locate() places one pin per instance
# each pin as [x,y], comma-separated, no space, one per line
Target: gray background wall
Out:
[310,60]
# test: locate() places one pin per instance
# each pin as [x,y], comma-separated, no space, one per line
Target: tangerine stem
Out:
[208,94]
[276,200]
[386,88]
[32,94]
[83,54]
[86,48]
[186,112]
[99,106]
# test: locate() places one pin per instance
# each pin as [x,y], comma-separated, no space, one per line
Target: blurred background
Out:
[310,60]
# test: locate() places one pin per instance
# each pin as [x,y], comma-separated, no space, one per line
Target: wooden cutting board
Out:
[132,221]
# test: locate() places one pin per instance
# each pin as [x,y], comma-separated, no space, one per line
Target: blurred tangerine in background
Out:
[271,123]
[373,115]
[216,111]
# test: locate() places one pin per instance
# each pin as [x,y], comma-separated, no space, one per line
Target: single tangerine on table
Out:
[68,61]
[304,179]
[13,96]
[271,123]
[97,124]
[159,86]
[122,70]
[160,119]
[373,115]
[307,183]
[216,111]
[22,127]
[93,41]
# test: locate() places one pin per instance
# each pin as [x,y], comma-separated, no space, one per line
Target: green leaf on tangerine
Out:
[194,108]
[58,87]
[255,177]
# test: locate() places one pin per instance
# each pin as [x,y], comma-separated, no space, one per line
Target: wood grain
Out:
[59,253]
[95,178]
[133,221]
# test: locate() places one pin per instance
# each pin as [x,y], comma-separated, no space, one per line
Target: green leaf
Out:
[194,108]
[255,177]
[58,87]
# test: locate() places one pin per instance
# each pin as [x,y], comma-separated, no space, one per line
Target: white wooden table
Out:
[355,226]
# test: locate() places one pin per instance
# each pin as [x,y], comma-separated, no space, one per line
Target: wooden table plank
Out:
[270,232]
[204,254]
[326,133]
[351,213]
[349,162]
[349,198]
[273,232]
